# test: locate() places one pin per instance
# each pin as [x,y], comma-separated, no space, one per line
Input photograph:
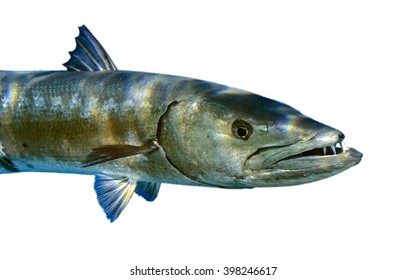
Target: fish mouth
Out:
[316,153]
[325,151]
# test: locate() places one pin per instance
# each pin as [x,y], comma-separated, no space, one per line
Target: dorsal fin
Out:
[89,55]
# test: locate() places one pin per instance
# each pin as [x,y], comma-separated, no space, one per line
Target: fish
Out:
[136,130]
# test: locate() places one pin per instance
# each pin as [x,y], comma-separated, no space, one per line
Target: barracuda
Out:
[135,130]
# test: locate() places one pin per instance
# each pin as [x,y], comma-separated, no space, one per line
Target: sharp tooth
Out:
[333,147]
[345,148]
[341,145]
[324,150]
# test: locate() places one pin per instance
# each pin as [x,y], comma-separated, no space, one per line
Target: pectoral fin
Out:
[114,193]
[111,152]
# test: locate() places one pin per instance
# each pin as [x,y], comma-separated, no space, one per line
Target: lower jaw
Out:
[304,170]
[348,157]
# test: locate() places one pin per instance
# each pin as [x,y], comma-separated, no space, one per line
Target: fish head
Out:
[237,139]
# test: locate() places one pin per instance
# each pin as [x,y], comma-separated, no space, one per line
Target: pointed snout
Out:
[308,128]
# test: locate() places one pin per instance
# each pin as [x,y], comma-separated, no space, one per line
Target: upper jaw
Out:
[312,151]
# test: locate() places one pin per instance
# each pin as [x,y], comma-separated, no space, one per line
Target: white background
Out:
[340,62]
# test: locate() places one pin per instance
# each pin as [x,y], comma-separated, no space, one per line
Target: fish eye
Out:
[241,129]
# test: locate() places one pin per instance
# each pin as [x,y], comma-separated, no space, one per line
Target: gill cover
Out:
[194,139]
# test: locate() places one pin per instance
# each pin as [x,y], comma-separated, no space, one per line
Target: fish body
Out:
[135,130]
[51,120]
